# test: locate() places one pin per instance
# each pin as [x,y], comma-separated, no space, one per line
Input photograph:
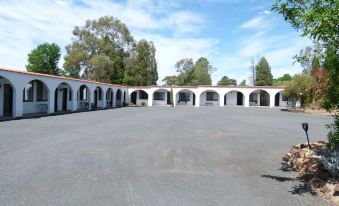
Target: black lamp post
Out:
[305,127]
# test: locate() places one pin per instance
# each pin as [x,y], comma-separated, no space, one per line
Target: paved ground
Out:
[154,156]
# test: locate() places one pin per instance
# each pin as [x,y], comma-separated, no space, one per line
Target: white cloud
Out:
[25,24]
[255,23]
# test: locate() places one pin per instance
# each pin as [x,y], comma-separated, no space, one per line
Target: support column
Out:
[150,99]
[174,99]
[247,100]
[221,101]
[18,103]
[51,101]
[197,100]
[272,100]
[104,100]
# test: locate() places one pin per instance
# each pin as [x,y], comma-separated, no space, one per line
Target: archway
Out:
[161,97]
[83,97]
[118,98]
[209,98]
[63,98]
[109,98]
[139,98]
[98,94]
[185,97]
[35,97]
[259,98]
[234,98]
[7,97]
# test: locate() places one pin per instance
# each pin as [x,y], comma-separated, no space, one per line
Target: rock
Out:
[322,174]
[336,190]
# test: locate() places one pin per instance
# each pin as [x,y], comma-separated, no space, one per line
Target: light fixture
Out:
[305,127]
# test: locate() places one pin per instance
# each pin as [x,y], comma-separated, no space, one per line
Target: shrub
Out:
[143,104]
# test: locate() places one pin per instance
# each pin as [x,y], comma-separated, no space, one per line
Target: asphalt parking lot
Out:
[155,156]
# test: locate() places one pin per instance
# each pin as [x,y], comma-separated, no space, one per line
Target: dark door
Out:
[134,98]
[277,98]
[225,99]
[239,99]
[56,100]
[168,97]
[112,95]
[64,99]
[8,100]
[193,99]
[95,99]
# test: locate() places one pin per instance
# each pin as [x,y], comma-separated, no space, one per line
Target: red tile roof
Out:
[107,84]
[58,77]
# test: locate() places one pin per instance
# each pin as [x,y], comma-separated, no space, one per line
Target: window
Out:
[100,93]
[143,95]
[70,95]
[108,96]
[28,93]
[253,97]
[211,96]
[83,93]
[184,96]
[118,95]
[41,94]
[159,95]
[284,98]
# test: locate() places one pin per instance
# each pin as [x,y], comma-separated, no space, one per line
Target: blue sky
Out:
[228,32]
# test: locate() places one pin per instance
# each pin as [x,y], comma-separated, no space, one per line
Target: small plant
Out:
[333,134]
[143,104]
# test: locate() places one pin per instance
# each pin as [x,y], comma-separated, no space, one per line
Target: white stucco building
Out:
[26,93]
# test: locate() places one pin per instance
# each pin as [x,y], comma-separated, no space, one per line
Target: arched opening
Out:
[161,97]
[118,98]
[234,98]
[259,98]
[185,97]
[209,98]
[7,98]
[98,98]
[139,98]
[83,97]
[63,98]
[281,100]
[35,98]
[109,98]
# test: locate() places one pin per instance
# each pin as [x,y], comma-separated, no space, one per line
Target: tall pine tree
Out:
[264,76]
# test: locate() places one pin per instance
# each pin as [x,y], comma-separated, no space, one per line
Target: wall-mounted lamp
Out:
[305,127]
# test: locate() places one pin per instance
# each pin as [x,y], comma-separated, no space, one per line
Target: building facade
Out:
[26,93]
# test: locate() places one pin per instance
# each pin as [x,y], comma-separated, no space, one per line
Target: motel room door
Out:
[8,100]
[64,99]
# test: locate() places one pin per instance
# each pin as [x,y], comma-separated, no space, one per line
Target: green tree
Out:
[316,19]
[44,59]
[141,67]
[263,73]
[319,21]
[282,80]
[225,81]
[331,99]
[243,83]
[201,72]
[171,80]
[300,89]
[189,73]
[99,50]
